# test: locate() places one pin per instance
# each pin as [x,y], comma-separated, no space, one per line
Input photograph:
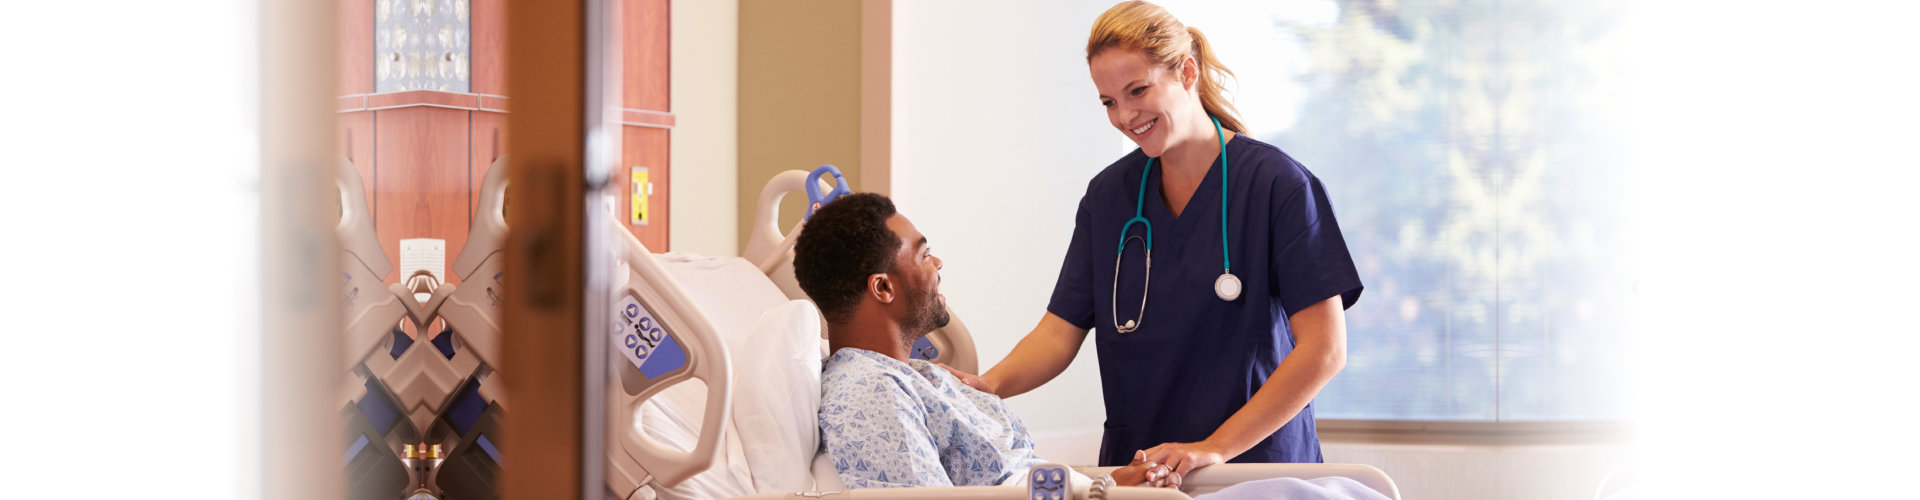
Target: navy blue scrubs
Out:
[1195,359]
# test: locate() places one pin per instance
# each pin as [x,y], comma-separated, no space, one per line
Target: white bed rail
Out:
[1215,477]
[672,320]
[967,493]
[1199,482]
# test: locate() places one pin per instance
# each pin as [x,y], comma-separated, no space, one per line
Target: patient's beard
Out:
[924,314]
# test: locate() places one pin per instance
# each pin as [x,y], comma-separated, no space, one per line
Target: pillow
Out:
[775,346]
[734,295]
[776,401]
[826,478]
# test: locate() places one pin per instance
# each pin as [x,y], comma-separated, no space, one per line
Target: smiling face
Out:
[1148,102]
[920,308]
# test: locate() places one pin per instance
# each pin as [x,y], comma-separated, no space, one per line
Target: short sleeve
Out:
[1073,292]
[1310,259]
[877,435]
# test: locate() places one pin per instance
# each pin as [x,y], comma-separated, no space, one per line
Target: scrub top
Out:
[1195,359]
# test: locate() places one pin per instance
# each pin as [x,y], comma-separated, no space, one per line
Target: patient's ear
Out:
[880,286]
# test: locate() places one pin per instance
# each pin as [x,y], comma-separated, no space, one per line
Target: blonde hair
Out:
[1138,25]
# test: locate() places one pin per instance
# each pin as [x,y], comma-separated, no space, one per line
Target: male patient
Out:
[890,421]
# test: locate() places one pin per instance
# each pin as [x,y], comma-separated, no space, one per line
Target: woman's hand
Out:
[1185,457]
[1143,472]
[977,383]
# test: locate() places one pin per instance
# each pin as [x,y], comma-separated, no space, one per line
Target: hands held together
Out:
[1163,466]
[1167,465]
[1143,472]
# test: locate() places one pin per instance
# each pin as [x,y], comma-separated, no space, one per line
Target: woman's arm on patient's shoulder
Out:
[1038,358]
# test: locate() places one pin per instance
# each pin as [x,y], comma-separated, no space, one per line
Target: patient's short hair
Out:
[846,241]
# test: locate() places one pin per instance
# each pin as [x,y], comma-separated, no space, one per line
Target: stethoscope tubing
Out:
[1139,203]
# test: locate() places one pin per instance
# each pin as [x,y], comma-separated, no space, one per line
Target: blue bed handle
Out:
[815,199]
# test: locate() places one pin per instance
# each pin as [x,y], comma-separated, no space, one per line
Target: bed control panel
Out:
[644,341]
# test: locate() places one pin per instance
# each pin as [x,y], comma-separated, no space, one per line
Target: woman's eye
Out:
[1107,103]
[1140,90]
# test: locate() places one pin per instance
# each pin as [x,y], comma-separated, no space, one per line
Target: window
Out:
[1474,157]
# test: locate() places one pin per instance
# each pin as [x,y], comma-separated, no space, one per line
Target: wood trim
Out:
[427,98]
[543,326]
[494,103]
[646,118]
[423,98]
[350,103]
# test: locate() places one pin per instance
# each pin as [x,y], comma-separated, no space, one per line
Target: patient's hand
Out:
[971,380]
[1143,472]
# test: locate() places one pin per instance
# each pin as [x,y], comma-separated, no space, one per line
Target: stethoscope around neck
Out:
[1227,287]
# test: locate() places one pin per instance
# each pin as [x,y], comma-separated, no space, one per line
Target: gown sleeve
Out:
[1073,292]
[877,435]
[1310,262]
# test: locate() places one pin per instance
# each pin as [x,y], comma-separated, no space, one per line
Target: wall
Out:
[706,48]
[799,97]
[995,140]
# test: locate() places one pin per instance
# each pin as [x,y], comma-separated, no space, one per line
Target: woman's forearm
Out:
[1037,359]
[1320,352]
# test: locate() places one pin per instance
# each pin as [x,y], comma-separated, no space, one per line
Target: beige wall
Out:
[799,96]
[706,48]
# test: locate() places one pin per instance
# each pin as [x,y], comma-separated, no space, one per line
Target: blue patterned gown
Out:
[893,424]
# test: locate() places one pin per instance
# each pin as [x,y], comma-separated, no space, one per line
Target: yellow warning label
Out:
[639,196]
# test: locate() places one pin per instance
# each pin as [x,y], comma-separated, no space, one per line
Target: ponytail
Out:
[1213,91]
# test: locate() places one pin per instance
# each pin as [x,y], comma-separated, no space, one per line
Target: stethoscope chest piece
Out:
[1227,287]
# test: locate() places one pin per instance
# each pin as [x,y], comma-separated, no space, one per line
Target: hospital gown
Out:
[893,424]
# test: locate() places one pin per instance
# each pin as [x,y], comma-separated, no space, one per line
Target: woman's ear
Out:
[1189,73]
[880,286]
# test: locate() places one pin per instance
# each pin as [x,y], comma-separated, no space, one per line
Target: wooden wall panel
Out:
[421,180]
[646,147]
[645,61]
[646,72]
[489,75]
[356,47]
[489,142]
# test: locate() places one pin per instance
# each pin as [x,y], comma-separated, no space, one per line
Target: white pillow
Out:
[775,346]
[776,399]
[826,478]
[734,295]
[776,403]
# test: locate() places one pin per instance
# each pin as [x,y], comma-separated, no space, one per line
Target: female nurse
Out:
[1207,263]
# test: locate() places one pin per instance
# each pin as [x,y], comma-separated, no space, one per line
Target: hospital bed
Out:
[713,379]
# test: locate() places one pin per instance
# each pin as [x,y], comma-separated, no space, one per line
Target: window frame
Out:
[1457,432]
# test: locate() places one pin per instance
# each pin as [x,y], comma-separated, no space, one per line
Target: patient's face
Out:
[917,271]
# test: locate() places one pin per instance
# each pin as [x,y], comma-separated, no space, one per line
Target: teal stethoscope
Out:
[1227,286]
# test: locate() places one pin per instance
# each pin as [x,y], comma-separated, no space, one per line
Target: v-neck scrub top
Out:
[1195,359]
